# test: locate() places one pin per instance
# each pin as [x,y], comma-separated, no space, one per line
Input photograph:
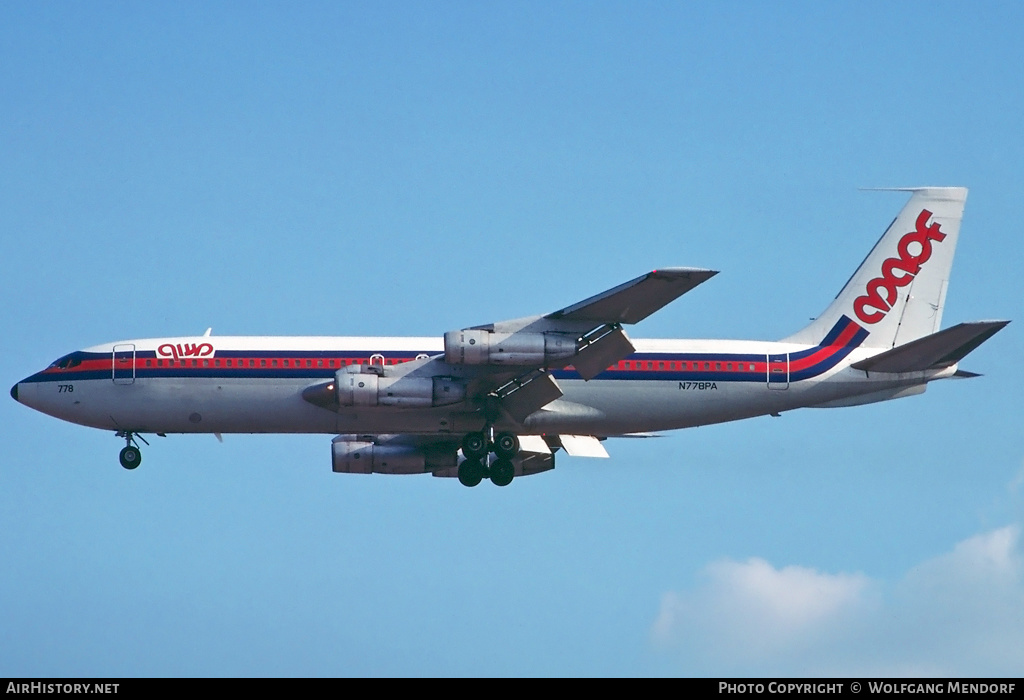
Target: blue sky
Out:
[407,169]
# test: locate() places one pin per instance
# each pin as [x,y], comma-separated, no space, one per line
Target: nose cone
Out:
[14,392]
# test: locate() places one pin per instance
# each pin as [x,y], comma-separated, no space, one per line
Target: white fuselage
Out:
[255,384]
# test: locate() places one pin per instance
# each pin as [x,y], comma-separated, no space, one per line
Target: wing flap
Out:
[582,446]
[596,357]
[935,351]
[528,394]
[533,444]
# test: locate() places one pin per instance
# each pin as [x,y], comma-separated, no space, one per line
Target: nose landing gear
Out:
[131,455]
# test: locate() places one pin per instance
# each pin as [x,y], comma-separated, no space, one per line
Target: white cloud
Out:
[759,610]
[961,613]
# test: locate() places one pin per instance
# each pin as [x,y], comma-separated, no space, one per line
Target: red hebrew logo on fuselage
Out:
[184,350]
[907,262]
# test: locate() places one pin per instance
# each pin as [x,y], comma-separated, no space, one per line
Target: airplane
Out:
[499,400]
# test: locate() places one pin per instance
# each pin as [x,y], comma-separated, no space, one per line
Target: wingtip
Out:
[964,374]
[684,272]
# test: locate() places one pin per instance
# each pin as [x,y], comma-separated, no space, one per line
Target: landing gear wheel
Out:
[502,472]
[471,472]
[506,445]
[130,457]
[474,445]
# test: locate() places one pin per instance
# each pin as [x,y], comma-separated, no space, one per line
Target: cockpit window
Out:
[67,362]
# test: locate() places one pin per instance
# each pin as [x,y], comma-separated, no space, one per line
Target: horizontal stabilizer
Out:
[935,351]
[637,299]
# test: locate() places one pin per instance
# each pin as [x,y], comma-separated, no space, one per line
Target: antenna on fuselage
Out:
[208,332]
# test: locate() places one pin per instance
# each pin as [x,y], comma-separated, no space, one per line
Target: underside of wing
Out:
[637,299]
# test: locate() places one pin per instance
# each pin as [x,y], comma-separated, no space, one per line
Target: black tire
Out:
[130,457]
[502,472]
[471,472]
[506,445]
[474,446]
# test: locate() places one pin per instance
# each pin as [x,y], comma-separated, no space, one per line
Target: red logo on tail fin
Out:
[907,262]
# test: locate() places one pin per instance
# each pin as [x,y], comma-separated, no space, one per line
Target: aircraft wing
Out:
[504,369]
[510,361]
[637,299]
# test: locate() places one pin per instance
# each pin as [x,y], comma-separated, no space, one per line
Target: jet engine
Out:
[361,385]
[481,347]
[352,455]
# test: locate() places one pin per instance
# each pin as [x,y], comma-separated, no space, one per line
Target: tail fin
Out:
[898,292]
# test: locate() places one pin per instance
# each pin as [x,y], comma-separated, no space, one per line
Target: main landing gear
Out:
[131,455]
[476,447]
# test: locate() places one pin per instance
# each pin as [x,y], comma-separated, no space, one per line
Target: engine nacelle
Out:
[366,458]
[370,389]
[479,347]
[353,456]
[359,385]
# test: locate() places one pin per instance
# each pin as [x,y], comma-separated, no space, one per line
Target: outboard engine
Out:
[480,347]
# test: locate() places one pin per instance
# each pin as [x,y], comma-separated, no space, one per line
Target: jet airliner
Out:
[499,400]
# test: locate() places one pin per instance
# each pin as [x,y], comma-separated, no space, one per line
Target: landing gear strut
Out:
[131,455]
